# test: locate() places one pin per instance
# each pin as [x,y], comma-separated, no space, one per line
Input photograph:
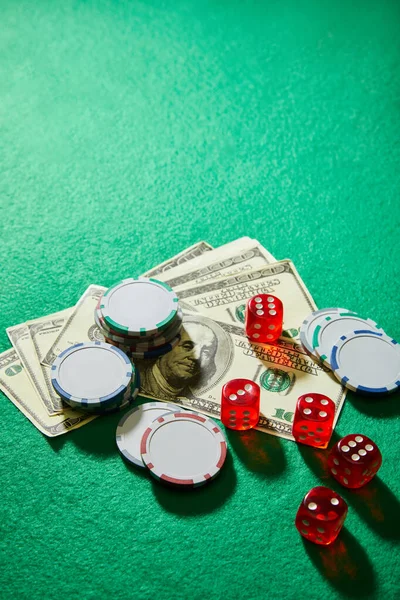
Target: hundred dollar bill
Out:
[225,299]
[17,386]
[186,255]
[208,258]
[210,353]
[44,331]
[80,325]
[241,261]
[23,346]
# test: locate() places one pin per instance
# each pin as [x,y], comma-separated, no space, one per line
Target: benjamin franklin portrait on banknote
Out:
[201,358]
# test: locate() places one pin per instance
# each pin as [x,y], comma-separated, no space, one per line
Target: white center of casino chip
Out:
[184,449]
[327,334]
[139,304]
[367,362]
[170,450]
[132,426]
[91,371]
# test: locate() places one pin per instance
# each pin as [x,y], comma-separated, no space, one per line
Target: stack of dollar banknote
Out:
[213,286]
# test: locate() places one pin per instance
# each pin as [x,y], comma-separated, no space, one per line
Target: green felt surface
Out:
[130,130]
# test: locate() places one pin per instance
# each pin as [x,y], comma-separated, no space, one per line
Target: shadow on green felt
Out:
[136,471]
[379,406]
[97,437]
[57,443]
[202,500]
[344,564]
[259,452]
[378,506]
[375,502]
[317,459]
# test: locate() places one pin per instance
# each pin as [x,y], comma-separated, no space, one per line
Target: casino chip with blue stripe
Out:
[367,361]
[332,327]
[93,376]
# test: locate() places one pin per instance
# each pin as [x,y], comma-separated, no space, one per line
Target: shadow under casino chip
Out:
[98,437]
[186,501]
[378,406]
[345,565]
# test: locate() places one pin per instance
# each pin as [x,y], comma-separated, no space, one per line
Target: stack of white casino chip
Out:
[360,354]
[178,447]
[140,316]
[95,377]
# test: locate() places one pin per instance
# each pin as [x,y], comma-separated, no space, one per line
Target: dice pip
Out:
[321,515]
[313,420]
[264,318]
[240,404]
[354,460]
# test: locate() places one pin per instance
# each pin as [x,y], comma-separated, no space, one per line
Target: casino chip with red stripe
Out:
[183,449]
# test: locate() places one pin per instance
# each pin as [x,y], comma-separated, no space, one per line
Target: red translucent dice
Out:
[240,404]
[264,318]
[354,460]
[313,420]
[321,515]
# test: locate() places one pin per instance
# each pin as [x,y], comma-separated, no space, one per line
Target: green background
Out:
[130,130]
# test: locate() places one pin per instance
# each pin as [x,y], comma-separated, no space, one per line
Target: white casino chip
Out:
[184,449]
[332,328]
[311,322]
[132,426]
[139,306]
[367,361]
[93,372]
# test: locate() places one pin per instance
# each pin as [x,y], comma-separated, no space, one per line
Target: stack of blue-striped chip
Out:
[95,377]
